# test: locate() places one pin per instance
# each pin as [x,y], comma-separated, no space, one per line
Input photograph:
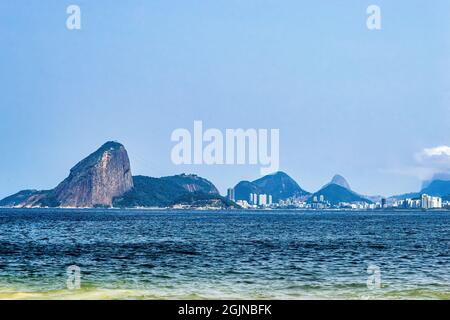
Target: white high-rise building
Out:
[436,203]
[230,194]
[262,201]
[253,199]
[425,201]
[429,202]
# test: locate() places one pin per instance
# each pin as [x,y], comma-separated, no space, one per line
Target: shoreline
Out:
[142,294]
[229,209]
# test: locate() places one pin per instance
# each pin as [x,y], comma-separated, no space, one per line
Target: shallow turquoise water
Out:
[203,255]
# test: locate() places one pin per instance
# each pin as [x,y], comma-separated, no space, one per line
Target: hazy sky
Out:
[364,104]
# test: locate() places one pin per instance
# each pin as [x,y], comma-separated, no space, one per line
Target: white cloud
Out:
[437,151]
[437,159]
[429,163]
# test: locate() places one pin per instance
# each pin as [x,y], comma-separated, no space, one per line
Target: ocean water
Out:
[138,254]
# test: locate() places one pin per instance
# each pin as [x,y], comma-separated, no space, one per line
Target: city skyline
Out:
[337,179]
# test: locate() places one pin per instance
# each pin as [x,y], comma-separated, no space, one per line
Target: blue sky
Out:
[347,100]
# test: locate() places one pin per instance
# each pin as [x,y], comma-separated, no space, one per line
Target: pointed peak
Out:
[340,181]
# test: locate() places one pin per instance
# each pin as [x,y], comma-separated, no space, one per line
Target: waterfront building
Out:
[429,202]
[411,203]
[244,204]
[253,199]
[230,194]
[425,201]
[262,200]
[436,203]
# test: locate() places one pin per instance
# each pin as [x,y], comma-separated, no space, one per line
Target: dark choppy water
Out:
[179,254]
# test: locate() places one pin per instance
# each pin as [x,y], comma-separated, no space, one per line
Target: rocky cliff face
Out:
[94,181]
[193,183]
[97,179]
[103,179]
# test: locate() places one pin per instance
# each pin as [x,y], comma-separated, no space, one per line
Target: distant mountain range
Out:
[439,188]
[338,190]
[442,176]
[283,187]
[104,179]
[279,185]
[435,188]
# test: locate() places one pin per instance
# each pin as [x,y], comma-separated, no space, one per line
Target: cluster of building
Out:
[319,202]
[255,200]
[299,203]
[424,202]
[358,205]
[260,200]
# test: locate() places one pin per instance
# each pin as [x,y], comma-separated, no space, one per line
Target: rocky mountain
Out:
[103,179]
[203,200]
[279,185]
[340,181]
[338,190]
[335,194]
[94,181]
[149,192]
[243,190]
[436,188]
[193,183]
[97,179]
[443,176]
[439,188]
[189,190]
[19,198]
